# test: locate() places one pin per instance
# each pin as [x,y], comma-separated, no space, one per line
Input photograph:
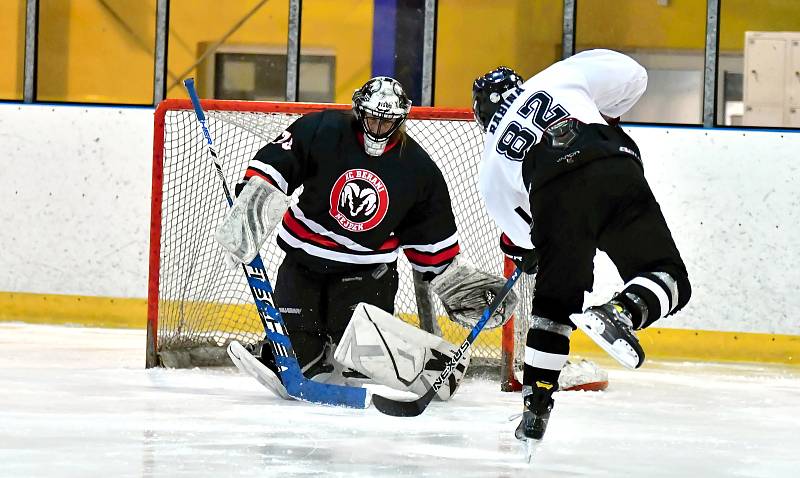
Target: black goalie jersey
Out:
[355,209]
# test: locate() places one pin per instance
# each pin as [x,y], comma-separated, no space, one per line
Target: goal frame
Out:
[508,381]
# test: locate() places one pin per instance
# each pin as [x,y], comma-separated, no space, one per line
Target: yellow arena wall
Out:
[102,51]
[324,27]
[660,343]
[475,36]
[12,48]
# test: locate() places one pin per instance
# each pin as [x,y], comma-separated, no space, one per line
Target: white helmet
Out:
[380,106]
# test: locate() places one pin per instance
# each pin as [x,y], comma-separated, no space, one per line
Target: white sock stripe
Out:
[545,360]
[656,289]
[669,281]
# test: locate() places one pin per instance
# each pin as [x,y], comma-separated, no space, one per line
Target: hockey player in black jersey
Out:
[562,179]
[369,191]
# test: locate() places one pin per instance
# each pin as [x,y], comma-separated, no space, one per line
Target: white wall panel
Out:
[732,199]
[75,199]
[75,208]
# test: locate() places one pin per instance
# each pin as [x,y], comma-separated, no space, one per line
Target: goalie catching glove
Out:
[466,292]
[254,214]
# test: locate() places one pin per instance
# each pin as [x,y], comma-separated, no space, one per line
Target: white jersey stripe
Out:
[317,228]
[439,246]
[377,258]
[273,173]
[435,270]
[350,244]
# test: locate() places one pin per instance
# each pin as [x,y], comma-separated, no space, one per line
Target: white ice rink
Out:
[77,402]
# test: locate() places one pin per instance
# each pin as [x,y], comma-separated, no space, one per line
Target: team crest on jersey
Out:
[359,200]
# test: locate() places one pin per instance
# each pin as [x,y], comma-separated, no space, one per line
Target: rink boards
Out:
[729,196]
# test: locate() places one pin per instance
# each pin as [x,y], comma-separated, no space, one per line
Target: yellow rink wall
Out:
[669,344]
[472,37]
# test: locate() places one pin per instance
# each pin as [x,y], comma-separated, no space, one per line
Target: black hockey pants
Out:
[607,205]
[318,306]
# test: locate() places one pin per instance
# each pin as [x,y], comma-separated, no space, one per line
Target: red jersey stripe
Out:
[302,232]
[254,172]
[298,229]
[390,244]
[432,259]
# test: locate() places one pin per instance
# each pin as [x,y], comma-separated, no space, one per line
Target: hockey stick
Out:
[297,386]
[398,408]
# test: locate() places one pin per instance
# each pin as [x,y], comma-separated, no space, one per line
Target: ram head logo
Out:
[357,200]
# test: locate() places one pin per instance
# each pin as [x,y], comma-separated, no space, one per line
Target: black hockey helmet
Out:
[381,107]
[487,93]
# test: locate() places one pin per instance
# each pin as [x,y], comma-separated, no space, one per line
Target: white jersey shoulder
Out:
[585,86]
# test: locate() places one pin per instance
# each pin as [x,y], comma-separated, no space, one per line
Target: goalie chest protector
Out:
[378,203]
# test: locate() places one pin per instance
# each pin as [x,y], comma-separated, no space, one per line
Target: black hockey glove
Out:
[525,259]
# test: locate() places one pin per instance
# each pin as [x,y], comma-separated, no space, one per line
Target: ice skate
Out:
[535,416]
[610,326]
[323,372]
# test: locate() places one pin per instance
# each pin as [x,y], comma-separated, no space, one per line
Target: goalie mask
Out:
[381,107]
[488,92]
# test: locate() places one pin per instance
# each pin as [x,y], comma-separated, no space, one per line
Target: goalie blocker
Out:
[258,208]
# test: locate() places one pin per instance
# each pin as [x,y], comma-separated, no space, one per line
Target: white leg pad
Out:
[396,354]
[251,366]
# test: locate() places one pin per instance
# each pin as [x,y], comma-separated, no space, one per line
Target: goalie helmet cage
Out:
[197,304]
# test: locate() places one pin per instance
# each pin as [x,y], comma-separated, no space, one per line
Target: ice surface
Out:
[77,402]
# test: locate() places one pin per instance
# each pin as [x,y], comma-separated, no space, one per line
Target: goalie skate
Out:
[582,375]
[247,363]
[611,329]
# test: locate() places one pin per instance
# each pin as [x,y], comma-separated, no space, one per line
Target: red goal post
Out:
[196,304]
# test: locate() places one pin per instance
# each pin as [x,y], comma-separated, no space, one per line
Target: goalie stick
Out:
[297,386]
[398,408]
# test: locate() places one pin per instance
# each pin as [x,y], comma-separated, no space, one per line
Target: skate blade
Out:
[620,350]
[531,448]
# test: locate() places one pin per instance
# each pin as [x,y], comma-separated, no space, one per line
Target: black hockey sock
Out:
[545,355]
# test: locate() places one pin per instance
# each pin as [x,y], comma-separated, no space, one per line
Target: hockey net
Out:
[197,304]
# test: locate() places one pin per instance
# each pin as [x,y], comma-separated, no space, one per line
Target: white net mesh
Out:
[202,304]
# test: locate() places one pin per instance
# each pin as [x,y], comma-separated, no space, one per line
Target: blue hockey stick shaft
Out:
[296,384]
